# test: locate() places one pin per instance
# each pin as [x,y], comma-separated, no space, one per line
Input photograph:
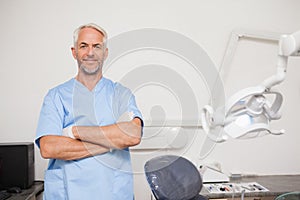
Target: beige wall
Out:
[36,37]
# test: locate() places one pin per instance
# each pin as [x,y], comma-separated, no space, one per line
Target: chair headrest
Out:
[173,177]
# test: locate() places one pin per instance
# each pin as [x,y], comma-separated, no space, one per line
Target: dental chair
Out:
[172,177]
[289,196]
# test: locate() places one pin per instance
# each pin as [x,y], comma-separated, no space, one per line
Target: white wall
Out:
[36,36]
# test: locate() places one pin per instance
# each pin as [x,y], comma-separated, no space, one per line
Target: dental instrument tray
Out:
[218,188]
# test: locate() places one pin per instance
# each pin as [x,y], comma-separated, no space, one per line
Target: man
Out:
[79,132]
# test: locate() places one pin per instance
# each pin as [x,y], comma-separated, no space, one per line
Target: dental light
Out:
[249,112]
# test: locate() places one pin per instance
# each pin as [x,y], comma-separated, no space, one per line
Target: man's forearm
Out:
[64,148]
[116,136]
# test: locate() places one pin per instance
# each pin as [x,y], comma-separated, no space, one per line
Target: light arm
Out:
[289,45]
[256,110]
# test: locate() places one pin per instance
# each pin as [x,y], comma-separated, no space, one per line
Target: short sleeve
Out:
[124,102]
[50,120]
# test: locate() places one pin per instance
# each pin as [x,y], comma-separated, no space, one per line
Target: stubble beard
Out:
[88,71]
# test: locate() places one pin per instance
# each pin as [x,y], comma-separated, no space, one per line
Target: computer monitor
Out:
[16,165]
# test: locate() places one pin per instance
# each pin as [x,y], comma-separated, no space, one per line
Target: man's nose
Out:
[90,51]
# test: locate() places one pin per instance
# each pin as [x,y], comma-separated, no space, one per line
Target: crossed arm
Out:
[91,140]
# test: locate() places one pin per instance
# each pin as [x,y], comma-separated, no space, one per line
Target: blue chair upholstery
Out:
[172,177]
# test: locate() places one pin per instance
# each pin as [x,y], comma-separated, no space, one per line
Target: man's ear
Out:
[106,53]
[74,52]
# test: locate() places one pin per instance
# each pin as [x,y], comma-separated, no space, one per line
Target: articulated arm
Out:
[289,45]
[250,110]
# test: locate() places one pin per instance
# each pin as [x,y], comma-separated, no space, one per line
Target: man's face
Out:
[90,51]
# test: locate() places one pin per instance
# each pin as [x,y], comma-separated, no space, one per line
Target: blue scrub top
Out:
[107,176]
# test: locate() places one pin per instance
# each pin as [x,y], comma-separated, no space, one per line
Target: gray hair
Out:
[90,25]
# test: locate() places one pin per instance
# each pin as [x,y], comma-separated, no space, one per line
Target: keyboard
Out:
[4,195]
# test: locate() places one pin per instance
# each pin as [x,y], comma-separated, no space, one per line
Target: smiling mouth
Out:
[88,60]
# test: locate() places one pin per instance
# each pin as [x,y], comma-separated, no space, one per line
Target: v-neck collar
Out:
[97,87]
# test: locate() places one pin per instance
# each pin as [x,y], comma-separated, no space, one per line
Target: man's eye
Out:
[98,47]
[82,46]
